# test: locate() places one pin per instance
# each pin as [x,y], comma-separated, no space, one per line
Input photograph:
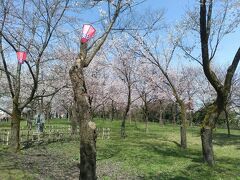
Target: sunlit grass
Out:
[152,155]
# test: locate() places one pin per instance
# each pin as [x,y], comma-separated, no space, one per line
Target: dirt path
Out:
[43,165]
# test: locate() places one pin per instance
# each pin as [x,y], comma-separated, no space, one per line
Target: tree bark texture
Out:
[183,129]
[222,89]
[210,118]
[161,122]
[15,129]
[87,127]
[207,147]
[112,110]
[123,130]
[146,113]
[227,121]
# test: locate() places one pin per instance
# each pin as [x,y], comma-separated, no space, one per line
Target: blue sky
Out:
[174,11]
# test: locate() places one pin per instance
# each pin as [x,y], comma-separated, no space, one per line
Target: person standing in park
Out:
[40,120]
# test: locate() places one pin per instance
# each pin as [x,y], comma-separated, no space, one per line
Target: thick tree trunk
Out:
[183,134]
[87,127]
[15,129]
[210,118]
[207,147]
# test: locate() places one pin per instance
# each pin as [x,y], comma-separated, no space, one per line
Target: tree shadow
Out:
[178,152]
[31,144]
[108,151]
[222,139]
[200,171]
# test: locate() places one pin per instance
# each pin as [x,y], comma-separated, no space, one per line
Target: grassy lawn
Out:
[152,155]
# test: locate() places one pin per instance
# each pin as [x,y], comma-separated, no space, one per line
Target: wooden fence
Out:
[50,134]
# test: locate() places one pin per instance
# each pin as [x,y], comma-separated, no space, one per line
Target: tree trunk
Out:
[183,129]
[227,121]
[174,114]
[190,118]
[87,127]
[207,147]
[123,131]
[208,124]
[228,128]
[15,129]
[112,111]
[146,114]
[161,117]
[183,134]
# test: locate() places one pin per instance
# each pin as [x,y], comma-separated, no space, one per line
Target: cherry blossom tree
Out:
[25,26]
[124,65]
[81,96]
[214,21]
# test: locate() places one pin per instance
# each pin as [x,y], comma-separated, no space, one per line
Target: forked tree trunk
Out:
[15,129]
[87,127]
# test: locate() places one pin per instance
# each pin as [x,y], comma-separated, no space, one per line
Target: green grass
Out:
[152,155]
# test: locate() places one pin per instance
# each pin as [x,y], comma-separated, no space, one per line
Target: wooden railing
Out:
[50,134]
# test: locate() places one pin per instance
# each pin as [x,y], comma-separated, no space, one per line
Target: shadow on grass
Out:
[226,168]
[222,139]
[108,151]
[32,144]
[178,152]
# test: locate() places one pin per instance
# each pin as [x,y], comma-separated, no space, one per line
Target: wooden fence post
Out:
[7,137]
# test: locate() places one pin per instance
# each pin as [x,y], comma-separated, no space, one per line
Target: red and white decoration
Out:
[21,57]
[88,32]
